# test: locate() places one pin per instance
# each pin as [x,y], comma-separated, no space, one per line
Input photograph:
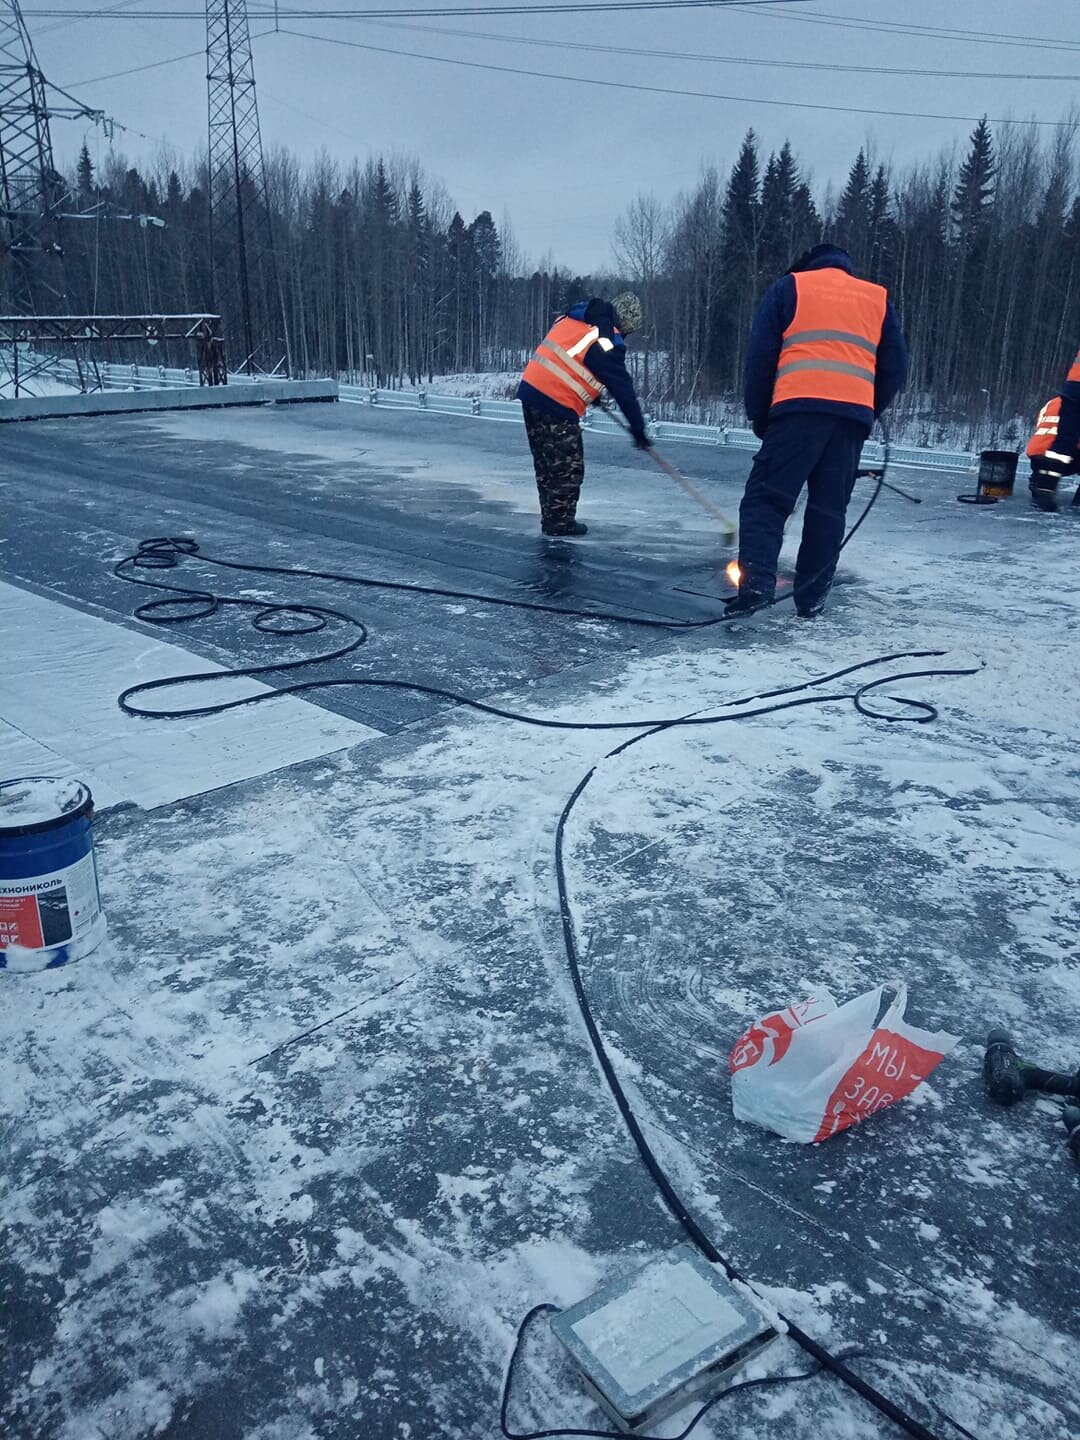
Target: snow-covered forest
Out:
[379,275]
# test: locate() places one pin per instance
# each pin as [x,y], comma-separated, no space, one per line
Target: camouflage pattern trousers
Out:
[559,461]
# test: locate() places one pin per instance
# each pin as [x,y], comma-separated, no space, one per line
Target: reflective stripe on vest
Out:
[1073,376]
[1046,429]
[555,369]
[830,348]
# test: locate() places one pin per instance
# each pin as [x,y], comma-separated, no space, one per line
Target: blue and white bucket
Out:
[50,905]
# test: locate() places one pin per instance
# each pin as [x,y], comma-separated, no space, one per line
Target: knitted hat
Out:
[627,309]
[822,255]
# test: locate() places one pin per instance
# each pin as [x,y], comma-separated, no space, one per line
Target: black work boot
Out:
[1045,497]
[746,602]
[810,612]
[568,526]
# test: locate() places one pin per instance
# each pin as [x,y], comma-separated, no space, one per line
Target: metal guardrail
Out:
[670,430]
[145,377]
[148,377]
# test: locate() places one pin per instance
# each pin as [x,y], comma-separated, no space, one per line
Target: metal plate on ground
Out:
[654,1340]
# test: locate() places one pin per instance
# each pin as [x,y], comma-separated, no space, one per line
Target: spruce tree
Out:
[741,212]
[85,174]
[783,201]
[174,194]
[972,206]
[974,191]
[881,257]
[739,262]
[805,221]
[853,213]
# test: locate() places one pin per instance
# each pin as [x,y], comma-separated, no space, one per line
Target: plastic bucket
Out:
[50,905]
[997,472]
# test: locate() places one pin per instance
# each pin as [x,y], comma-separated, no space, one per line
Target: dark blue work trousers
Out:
[810,448]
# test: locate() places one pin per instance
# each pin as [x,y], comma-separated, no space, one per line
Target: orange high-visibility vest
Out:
[830,347]
[1074,371]
[556,369]
[1046,428]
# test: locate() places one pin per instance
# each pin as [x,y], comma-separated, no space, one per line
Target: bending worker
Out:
[826,357]
[582,354]
[1054,449]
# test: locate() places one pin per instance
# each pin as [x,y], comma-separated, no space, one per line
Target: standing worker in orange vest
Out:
[1054,448]
[826,357]
[582,354]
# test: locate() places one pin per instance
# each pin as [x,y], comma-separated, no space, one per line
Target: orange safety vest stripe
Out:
[1074,371]
[1046,429]
[830,347]
[555,369]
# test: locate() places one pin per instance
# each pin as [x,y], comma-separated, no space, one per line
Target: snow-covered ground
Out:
[294,1151]
[34,376]
[488,384]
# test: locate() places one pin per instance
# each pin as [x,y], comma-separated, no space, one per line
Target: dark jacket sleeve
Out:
[609,367]
[892,362]
[773,316]
[1068,436]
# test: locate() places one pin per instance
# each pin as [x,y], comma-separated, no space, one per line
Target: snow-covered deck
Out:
[291,1155]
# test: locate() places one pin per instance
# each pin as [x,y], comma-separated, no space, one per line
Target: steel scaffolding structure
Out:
[81,333]
[243,266]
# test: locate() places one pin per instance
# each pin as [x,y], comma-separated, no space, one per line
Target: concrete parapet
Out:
[119,402]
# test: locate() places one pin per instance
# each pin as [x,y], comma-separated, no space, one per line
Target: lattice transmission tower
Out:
[32,194]
[242,262]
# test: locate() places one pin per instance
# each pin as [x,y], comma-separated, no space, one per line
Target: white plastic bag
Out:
[815,1068]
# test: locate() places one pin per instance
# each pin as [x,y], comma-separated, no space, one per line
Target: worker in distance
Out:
[1054,448]
[581,356]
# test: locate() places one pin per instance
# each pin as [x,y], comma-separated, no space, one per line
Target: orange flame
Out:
[733,573]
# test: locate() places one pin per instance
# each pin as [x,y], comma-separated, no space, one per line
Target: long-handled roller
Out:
[729,526]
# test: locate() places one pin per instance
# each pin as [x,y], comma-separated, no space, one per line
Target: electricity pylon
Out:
[32,194]
[242,263]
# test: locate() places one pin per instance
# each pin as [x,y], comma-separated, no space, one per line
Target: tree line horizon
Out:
[375,276]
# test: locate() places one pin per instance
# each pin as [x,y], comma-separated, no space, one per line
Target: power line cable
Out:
[585,46]
[157,64]
[438,12]
[266,95]
[139,69]
[65,24]
[926,32]
[624,85]
[773,63]
[773,9]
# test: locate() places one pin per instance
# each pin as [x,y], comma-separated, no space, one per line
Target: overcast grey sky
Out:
[563,158]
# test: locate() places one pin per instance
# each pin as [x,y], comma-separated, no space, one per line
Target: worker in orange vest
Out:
[826,356]
[581,356]
[1054,448]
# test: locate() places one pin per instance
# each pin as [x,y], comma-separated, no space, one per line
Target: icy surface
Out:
[292,1153]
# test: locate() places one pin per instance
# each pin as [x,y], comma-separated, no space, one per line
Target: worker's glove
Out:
[642,440]
[758,428]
